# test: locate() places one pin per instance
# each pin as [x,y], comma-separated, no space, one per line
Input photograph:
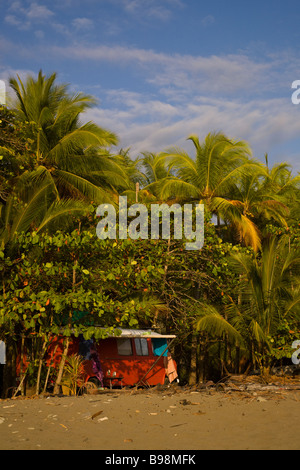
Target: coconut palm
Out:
[211,178]
[147,172]
[258,201]
[33,205]
[69,165]
[156,170]
[210,320]
[73,154]
[269,293]
[268,297]
[154,167]
[285,187]
[135,179]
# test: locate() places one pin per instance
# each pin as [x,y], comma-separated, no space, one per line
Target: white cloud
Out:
[37,12]
[23,17]
[243,97]
[6,73]
[215,74]
[176,75]
[208,20]
[16,6]
[39,34]
[149,125]
[82,23]
[13,20]
[135,104]
[145,9]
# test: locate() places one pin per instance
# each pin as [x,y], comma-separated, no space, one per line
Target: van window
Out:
[124,347]
[160,346]
[141,346]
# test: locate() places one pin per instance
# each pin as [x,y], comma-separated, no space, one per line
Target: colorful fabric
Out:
[171,371]
[96,366]
[159,345]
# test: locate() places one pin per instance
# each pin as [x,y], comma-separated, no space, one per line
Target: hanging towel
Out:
[170,367]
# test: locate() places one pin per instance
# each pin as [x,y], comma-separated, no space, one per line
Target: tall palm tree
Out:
[72,154]
[70,165]
[211,178]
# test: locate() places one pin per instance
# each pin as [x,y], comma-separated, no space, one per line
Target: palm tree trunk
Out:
[202,352]
[38,380]
[193,361]
[22,372]
[237,360]
[49,369]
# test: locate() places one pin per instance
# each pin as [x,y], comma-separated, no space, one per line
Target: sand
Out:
[169,419]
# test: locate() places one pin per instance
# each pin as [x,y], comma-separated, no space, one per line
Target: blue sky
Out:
[164,69]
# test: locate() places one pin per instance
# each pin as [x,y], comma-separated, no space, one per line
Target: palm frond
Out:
[82,187]
[60,214]
[212,322]
[33,210]
[231,211]
[81,138]
[173,187]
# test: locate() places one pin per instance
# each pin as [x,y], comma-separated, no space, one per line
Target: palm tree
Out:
[267,299]
[155,171]
[211,178]
[135,179]
[35,205]
[258,201]
[69,165]
[146,173]
[74,155]
[285,187]
[269,294]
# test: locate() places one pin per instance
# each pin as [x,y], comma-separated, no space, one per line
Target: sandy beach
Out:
[173,418]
